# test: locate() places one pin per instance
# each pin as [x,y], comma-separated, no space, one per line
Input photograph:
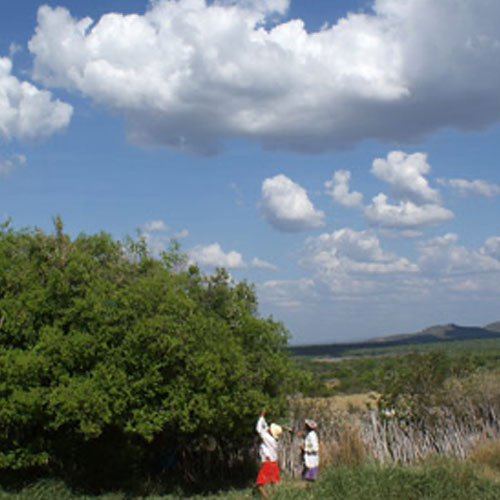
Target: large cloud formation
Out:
[352,261]
[188,74]
[347,266]
[26,112]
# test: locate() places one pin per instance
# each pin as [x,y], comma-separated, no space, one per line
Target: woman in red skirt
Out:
[269,471]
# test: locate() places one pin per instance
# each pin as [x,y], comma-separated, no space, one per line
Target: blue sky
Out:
[341,155]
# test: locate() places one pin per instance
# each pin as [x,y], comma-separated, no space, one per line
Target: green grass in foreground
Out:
[439,480]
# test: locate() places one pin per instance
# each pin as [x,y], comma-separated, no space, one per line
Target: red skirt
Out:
[269,473]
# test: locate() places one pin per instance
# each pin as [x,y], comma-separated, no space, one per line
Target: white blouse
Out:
[268,449]
[311,450]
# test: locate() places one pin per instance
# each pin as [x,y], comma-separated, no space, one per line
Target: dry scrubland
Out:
[453,421]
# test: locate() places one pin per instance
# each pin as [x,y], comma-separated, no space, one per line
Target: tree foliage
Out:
[418,387]
[110,355]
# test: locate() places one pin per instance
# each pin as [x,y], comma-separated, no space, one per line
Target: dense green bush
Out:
[114,363]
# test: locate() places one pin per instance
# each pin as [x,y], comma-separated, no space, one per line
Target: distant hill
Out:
[493,327]
[438,333]
[443,332]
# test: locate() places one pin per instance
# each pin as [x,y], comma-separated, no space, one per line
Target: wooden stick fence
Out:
[452,428]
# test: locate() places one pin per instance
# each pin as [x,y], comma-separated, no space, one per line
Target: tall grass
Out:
[444,480]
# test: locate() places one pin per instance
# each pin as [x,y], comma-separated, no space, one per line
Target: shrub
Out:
[114,363]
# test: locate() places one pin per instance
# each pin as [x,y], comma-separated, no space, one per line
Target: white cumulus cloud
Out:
[288,294]
[405,214]
[158,235]
[26,112]
[188,74]
[415,205]
[443,255]
[476,187]
[349,251]
[491,247]
[349,264]
[155,226]
[405,174]
[213,256]
[338,189]
[263,264]
[264,6]
[286,206]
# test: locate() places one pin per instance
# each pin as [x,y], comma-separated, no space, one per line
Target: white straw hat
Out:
[311,423]
[276,430]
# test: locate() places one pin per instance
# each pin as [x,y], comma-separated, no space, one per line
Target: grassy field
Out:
[435,480]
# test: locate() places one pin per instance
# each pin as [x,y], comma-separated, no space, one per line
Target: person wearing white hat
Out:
[269,471]
[310,451]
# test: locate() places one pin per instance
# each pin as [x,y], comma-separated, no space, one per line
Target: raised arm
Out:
[262,426]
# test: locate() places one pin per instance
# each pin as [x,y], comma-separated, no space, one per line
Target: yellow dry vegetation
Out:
[343,402]
[340,419]
[486,455]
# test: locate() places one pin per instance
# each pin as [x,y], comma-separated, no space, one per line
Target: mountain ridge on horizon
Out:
[445,330]
[449,332]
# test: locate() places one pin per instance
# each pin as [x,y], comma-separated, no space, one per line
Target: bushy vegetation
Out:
[115,365]
[393,372]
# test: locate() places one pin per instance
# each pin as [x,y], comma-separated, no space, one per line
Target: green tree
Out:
[107,353]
